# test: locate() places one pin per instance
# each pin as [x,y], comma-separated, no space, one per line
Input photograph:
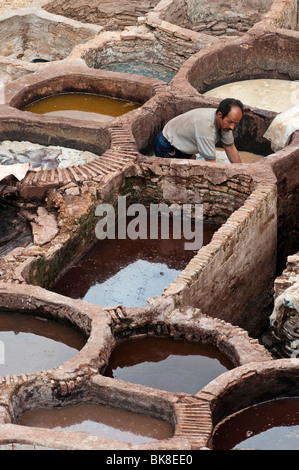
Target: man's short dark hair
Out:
[225,106]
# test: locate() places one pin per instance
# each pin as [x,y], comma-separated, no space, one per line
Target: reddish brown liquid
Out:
[127,272]
[272,425]
[29,344]
[167,364]
[110,423]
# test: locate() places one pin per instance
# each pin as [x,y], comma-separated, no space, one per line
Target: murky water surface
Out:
[30,343]
[143,68]
[82,106]
[273,425]
[107,422]
[127,272]
[167,364]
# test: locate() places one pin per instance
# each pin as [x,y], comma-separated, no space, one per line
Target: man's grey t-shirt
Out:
[196,132]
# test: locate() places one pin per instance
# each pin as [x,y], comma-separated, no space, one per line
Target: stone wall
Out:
[243,252]
[110,14]
[282,14]
[167,47]
[217,18]
[285,316]
[38,34]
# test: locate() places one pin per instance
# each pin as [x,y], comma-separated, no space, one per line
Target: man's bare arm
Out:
[232,154]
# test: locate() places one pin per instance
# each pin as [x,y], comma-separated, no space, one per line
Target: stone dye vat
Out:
[128,271]
[108,422]
[261,56]
[255,406]
[167,364]
[272,425]
[87,135]
[270,94]
[229,280]
[162,420]
[33,343]
[81,106]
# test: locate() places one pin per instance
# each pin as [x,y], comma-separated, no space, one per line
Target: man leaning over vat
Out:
[195,133]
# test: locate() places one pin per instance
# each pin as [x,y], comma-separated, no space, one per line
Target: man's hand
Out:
[232,154]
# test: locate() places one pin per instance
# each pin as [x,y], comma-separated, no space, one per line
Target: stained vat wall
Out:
[232,277]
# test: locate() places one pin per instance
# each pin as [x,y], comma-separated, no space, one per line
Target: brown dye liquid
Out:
[248,157]
[167,364]
[81,106]
[29,344]
[273,425]
[127,272]
[110,423]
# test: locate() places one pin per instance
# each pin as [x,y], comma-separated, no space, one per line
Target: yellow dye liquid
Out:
[82,106]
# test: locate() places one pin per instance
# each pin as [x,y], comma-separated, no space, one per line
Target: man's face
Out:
[229,122]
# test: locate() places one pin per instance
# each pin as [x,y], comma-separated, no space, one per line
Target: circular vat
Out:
[258,55]
[271,425]
[31,343]
[256,407]
[263,61]
[43,413]
[181,354]
[104,421]
[177,366]
[134,51]
[62,79]
[41,331]
[70,92]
